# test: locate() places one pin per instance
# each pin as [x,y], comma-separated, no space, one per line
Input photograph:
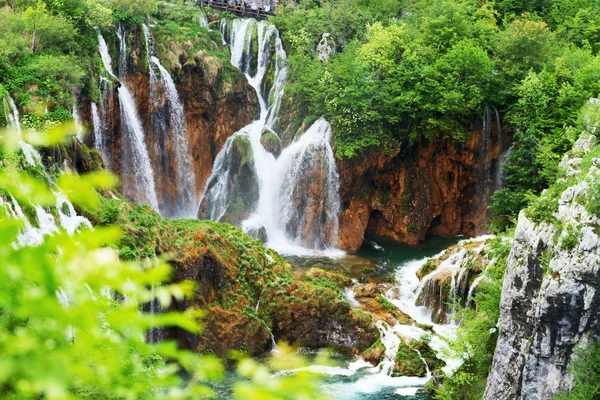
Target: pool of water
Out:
[379,257]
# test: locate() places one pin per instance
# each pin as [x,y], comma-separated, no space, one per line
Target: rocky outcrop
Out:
[551,291]
[440,187]
[450,281]
[248,293]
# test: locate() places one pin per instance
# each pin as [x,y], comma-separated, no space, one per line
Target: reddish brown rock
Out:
[439,187]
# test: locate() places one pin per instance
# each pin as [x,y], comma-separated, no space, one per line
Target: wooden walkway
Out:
[241,9]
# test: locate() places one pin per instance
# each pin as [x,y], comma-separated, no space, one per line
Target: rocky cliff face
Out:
[550,296]
[440,187]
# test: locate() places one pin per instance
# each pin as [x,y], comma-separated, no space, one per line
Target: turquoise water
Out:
[388,255]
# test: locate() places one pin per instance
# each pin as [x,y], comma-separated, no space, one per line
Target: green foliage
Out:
[570,238]
[386,304]
[592,204]
[586,369]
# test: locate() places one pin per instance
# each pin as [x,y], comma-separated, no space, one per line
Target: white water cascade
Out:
[78,125]
[297,203]
[137,166]
[32,157]
[203,20]
[186,201]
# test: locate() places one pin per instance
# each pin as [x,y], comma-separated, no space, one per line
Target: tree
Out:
[33,17]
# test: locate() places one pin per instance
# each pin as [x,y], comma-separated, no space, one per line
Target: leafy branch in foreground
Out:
[70,319]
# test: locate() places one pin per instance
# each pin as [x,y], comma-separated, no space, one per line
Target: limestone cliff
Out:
[550,296]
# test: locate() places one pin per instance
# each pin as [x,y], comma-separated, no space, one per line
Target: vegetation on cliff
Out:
[247,291]
[477,334]
[49,55]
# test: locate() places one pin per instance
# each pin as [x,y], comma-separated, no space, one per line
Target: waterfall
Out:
[98,132]
[140,170]
[154,335]
[203,20]
[32,157]
[69,220]
[78,124]
[122,36]
[137,169]
[169,121]
[186,203]
[485,173]
[297,202]
[499,178]
[104,55]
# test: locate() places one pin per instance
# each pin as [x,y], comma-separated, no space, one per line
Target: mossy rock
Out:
[244,190]
[336,279]
[375,353]
[408,362]
[271,143]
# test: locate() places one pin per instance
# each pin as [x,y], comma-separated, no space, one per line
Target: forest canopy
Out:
[405,71]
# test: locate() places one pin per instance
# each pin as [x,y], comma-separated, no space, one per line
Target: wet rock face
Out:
[437,188]
[242,183]
[271,143]
[550,302]
[311,220]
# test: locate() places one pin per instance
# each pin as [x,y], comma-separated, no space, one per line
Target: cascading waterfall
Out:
[32,157]
[140,183]
[67,215]
[122,36]
[203,20]
[78,124]
[187,203]
[98,132]
[169,121]
[297,203]
[500,178]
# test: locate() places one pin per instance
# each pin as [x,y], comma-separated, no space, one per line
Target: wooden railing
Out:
[237,7]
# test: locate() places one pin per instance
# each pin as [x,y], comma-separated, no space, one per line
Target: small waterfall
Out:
[168,118]
[32,157]
[98,132]
[140,170]
[122,36]
[104,55]
[30,235]
[485,173]
[78,124]
[155,335]
[298,201]
[499,177]
[304,191]
[203,20]
[186,203]
[69,220]
[137,169]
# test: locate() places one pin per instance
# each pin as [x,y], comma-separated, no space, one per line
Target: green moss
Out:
[386,304]
[408,362]
[427,268]
[570,238]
